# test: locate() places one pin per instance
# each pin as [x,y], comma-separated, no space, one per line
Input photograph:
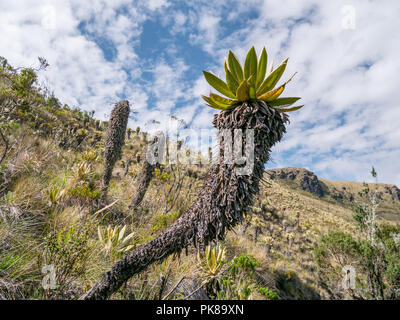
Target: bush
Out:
[67,250]
[245,262]
[269,294]
[378,267]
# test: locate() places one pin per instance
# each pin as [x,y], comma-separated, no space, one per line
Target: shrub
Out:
[268,293]
[67,250]
[245,262]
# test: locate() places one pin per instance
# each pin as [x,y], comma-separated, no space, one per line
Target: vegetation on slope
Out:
[50,185]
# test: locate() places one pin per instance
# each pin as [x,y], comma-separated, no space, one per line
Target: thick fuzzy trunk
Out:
[256,233]
[114,141]
[146,175]
[144,182]
[222,203]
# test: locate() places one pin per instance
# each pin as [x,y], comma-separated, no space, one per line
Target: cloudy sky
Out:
[153,53]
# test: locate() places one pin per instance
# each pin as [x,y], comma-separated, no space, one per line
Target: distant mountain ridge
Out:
[343,192]
[303,178]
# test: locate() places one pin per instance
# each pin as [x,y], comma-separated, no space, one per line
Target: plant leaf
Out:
[129,237]
[99,233]
[121,233]
[235,67]
[242,92]
[213,259]
[262,67]
[250,67]
[128,248]
[291,109]
[272,79]
[231,80]
[270,68]
[218,84]
[284,101]
[222,100]
[273,94]
[212,104]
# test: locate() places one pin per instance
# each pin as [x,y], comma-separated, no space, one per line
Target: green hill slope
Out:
[50,214]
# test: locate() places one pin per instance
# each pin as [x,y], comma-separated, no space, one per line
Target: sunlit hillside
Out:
[52,214]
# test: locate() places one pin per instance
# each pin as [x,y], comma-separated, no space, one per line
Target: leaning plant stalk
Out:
[146,174]
[114,141]
[6,145]
[222,203]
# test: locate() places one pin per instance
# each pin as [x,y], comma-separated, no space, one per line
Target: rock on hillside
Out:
[303,178]
[393,191]
[343,192]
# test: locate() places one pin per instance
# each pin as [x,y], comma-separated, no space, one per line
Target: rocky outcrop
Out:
[305,179]
[393,191]
[340,195]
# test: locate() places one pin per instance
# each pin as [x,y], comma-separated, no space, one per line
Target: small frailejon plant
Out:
[210,265]
[212,261]
[81,184]
[114,241]
[56,191]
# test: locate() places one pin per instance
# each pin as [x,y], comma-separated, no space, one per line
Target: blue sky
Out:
[153,53]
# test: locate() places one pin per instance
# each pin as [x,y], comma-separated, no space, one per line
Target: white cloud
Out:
[157,4]
[348,79]
[207,35]
[79,73]
[168,85]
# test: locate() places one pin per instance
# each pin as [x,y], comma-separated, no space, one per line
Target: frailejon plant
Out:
[114,240]
[212,261]
[226,196]
[211,266]
[146,175]
[114,141]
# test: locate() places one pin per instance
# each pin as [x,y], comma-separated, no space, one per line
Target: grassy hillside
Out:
[344,193]
[51,214]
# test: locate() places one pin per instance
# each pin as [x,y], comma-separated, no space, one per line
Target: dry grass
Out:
[281,212]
